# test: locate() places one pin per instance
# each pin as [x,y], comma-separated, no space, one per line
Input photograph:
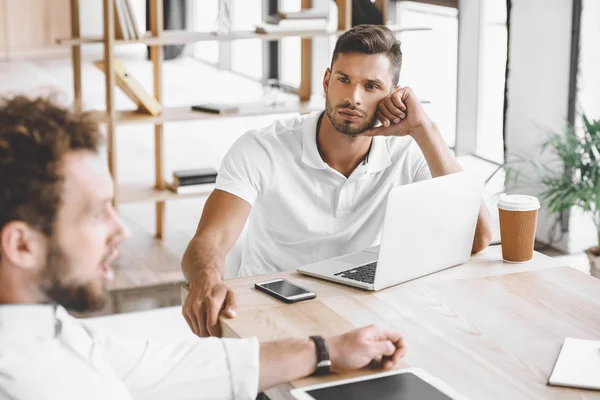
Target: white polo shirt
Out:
[304,211]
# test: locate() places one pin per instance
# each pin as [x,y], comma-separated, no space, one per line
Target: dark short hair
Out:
[371,39]
[35,135]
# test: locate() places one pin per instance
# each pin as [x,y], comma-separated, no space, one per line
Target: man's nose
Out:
[354,96]
[121,230]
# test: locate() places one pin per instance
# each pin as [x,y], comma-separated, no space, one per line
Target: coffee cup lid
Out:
[518,202]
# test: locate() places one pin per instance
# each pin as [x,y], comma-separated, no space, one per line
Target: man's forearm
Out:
[202,255]
[442,162]
[285,361]
[435,150]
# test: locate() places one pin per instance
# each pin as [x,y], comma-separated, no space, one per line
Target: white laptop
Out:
[428,226]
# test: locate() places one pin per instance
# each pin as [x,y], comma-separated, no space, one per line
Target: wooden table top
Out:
[489,329]
[487,263]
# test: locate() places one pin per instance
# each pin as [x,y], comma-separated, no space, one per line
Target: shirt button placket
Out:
[344,205]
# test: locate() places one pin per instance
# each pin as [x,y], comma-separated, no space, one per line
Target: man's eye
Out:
[371,86]
[344,80]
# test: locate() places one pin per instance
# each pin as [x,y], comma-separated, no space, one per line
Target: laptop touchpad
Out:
[357,259]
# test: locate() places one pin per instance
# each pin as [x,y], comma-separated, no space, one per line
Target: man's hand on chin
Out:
[400,114]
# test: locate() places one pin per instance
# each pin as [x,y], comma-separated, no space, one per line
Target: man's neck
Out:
[341,152]
[15,289]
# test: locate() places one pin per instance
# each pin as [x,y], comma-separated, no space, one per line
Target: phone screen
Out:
[284,288]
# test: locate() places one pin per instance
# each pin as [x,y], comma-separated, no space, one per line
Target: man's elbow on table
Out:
[482,239]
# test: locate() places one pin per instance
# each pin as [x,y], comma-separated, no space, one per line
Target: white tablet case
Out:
[578,365]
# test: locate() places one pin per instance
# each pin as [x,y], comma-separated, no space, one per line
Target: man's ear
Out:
[326,78]
[22,245]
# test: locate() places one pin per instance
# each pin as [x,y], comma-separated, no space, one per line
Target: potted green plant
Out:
[572,177]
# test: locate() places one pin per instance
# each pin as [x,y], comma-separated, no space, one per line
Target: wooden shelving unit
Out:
[156,191]
[140,192]
[183,37]
[172,114]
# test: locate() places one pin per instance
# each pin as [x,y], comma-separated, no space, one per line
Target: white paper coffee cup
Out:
[518,223]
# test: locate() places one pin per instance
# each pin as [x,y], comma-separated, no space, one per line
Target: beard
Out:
[348,127]
[78,297]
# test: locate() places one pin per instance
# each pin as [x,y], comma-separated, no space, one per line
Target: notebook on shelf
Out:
[191,189]
[216,108]
[298,25]
[196,176]
[318,16]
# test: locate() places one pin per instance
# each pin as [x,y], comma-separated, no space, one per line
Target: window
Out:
[430,60]
[492,67]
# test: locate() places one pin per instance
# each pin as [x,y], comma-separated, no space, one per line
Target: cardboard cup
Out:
[518,223]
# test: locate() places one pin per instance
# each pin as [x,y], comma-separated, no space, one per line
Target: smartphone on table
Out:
[284,290]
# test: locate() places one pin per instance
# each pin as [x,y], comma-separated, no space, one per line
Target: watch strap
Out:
[323,361]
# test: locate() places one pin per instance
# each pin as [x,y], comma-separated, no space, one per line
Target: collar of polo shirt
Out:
[378,159]
[28,319]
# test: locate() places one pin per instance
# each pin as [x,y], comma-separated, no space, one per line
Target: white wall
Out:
[538,81]
[582,231]
[589,62]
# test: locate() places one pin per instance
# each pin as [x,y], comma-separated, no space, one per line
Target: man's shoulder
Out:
[284,133]
[280,130]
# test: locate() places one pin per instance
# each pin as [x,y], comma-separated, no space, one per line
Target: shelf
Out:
[145,262]
[173,114]
[181,37]
[146,193]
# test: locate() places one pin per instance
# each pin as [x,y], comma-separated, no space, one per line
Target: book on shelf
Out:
[132,88]
[133,22]
[191,189]
[198,176]
[125,23]
[121,30]
[216,108]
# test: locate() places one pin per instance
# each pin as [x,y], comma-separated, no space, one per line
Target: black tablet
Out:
[405,384]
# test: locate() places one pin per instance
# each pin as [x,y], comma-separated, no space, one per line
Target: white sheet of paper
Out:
[578,365]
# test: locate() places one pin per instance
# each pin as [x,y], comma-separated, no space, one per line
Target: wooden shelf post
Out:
[305,90]
[344,14]
[382,6]
[156,55]
[109,44]
[76,57]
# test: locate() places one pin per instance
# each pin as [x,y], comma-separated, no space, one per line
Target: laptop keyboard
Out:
[364,273]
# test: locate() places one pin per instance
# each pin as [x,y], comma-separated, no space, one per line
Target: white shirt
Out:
[304,211]
[47,354]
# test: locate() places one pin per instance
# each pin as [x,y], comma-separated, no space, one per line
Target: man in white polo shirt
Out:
[315,186]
